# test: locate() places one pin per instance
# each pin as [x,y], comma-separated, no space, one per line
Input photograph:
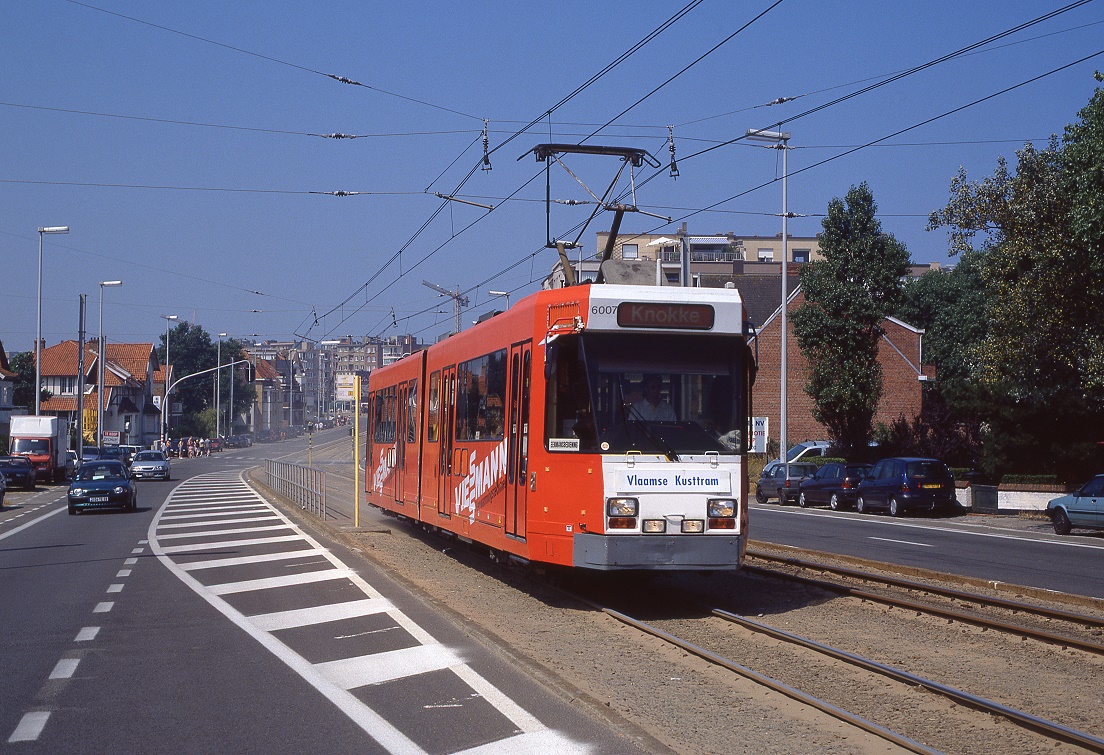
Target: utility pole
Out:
[458,300]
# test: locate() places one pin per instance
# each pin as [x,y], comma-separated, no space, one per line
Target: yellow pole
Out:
[356,451]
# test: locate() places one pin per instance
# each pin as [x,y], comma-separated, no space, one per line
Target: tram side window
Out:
[568,413]
[434,424]
[384,416]
[481,397]
[412,412]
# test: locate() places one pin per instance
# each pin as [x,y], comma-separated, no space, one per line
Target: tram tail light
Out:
[654,526]
[621,506]
[693,525]
[721,507]
[722,524]
[622,523]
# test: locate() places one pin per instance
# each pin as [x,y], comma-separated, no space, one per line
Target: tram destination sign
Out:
[664,315]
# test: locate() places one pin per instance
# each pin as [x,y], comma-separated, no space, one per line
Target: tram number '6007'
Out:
[603,309]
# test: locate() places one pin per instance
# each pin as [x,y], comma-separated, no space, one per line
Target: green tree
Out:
[23,365]
[192,350]
[847,295]
[1036,233]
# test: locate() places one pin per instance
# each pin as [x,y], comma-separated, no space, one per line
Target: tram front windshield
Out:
[652,393]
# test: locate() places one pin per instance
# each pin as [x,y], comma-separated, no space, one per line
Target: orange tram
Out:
[596,426]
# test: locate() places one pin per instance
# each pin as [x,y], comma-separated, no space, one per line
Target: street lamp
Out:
[101,372]
[218,387]
[38,326]
[502,293]
[781,140]
[165,396]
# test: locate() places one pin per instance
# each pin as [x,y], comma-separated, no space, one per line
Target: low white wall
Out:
[1017,500]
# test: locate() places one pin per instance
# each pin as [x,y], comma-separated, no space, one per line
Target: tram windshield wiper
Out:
[642,425]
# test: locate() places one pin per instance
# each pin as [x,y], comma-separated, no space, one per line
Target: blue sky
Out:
[174,140]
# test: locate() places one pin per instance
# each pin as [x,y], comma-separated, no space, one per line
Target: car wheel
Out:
[860,505]
[759,497]
[801,501]
[834,502]
[895,508]
[1062,525]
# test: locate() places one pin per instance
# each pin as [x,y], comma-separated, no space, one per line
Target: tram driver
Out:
[651,407]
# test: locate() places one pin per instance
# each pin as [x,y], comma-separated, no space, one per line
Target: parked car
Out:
[774,483]
[150,464]
[903,484]
[102,484]
[18,470]
[802,452]
[835,484]
[1081,508]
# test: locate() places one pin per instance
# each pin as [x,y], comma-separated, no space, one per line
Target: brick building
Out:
[899,354]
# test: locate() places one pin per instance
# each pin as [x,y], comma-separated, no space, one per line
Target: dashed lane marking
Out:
[30,726]
[65,668]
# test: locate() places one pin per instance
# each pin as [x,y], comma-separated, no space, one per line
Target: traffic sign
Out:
[111,437]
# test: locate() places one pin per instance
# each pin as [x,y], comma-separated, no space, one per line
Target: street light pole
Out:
[101,373]
[38,325]
[218,388]
[165,395]
[782,142]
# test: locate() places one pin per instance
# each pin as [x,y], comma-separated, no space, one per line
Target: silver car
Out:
[1082,508]
[152,464]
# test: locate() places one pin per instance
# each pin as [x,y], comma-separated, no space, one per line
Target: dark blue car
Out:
[102,484]
[907,484]
[835,484]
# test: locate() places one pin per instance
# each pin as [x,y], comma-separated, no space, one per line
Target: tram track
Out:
[1052,730]
[976,600]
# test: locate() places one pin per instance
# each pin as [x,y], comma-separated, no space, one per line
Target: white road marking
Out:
[103,607]
[194,547]
[207,520]
[130,562]
[138,550]
[86,634]
[903,542]
[30,726]
[122,573]
[31,523]
[115,588]
[301,617]
[286,580]
[65,668]
[242,560]
[350,673]
[212,533]
[335,678]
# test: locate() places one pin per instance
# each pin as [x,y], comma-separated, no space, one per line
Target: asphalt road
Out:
[202,623]
[1002,548]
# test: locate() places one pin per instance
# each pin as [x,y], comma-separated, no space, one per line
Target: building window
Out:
[766,255]
[800,255]
[68,385]
[630,251]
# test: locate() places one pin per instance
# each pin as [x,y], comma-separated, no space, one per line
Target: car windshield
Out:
[15,461]
[796,451]
[100,472]
[927,469]
[149,456]
[653,393]
[30,446]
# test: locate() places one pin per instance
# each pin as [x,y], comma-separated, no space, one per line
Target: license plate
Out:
[931,486]
[98,499]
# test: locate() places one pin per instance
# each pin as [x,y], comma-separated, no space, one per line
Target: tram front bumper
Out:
[664,552]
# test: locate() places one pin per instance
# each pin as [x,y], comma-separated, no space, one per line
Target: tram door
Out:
[400,443]
[446,458]
[517,461]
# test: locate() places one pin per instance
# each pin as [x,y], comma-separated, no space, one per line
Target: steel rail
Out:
[1051,728]
[766,681]
[948,613]
[1012,605]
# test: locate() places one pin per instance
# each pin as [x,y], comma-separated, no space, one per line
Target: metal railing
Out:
[305,486]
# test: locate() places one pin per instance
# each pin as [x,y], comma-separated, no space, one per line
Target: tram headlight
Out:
[621,506]
[721,507]
[693,525]
[653,526]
